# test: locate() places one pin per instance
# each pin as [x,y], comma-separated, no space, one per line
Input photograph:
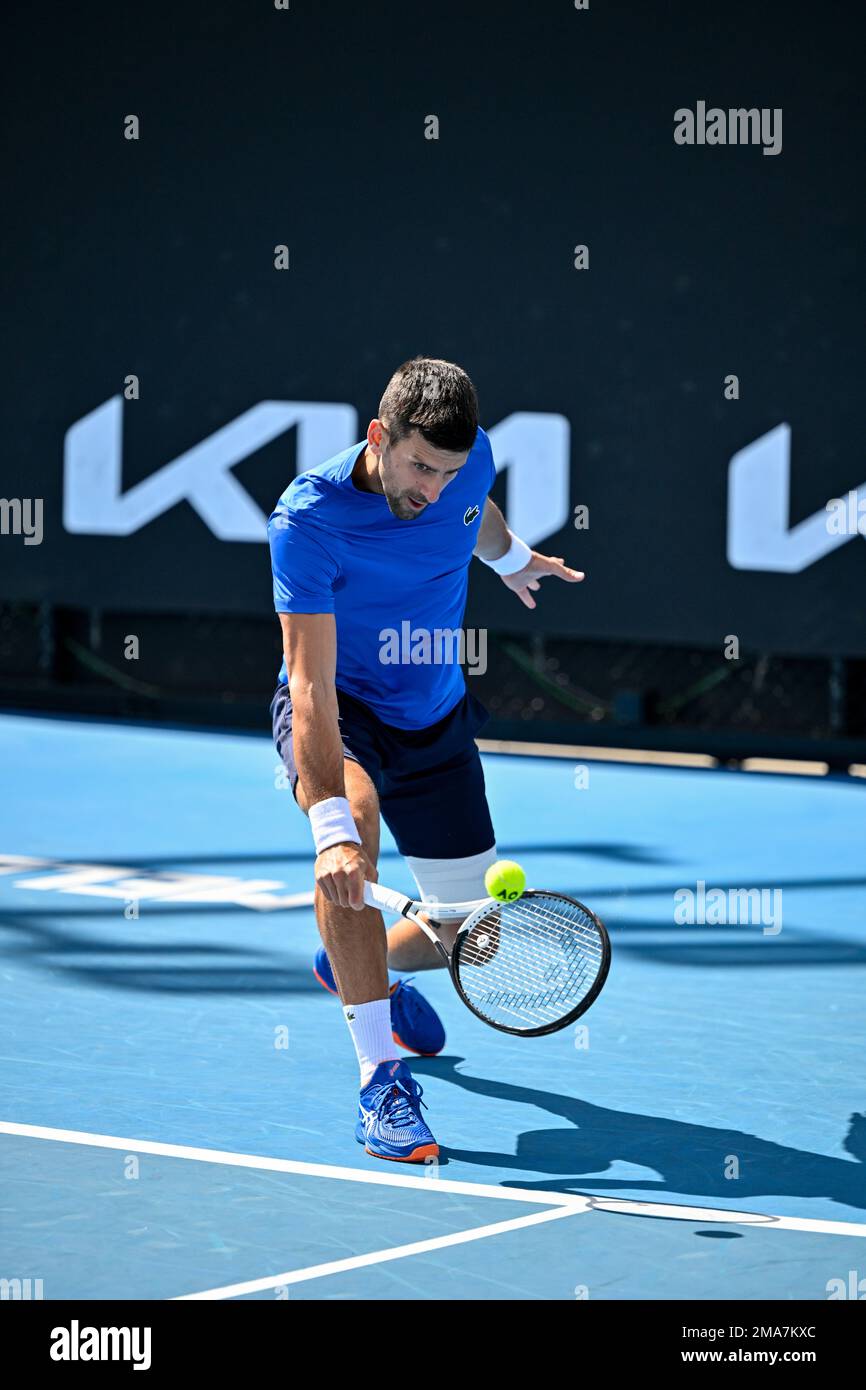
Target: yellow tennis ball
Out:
[505,880]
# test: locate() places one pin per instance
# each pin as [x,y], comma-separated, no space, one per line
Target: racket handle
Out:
[377,896]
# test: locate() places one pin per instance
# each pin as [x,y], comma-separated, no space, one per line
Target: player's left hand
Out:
[539,567]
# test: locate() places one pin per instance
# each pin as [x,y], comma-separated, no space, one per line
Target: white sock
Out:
[370,1026]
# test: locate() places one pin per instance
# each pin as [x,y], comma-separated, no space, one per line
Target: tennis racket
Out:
[529,967]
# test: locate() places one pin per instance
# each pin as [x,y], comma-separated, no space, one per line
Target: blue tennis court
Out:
[178,1093]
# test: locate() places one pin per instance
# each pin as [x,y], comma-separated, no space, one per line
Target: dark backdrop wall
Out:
[306,127]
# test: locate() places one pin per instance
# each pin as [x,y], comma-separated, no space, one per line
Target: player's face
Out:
[413,473]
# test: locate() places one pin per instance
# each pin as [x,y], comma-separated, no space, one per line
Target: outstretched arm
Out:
[494,543]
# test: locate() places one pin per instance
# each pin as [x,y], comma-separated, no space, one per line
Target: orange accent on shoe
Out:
[416,1156]
[401,1043]
[322,983]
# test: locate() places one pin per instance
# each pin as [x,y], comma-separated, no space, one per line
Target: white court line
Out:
[629,1206]
[290,1165]
[375,1257]
[572,1202]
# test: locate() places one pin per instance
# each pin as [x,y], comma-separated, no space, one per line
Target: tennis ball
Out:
[505,880]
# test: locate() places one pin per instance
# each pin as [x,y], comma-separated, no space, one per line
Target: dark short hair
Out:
[435,397]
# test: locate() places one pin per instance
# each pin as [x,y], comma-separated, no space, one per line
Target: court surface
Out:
[178,1093]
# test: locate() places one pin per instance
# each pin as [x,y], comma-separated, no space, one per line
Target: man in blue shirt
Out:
[370,554]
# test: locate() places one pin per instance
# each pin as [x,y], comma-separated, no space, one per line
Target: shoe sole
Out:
[400,1043]
[416,1156]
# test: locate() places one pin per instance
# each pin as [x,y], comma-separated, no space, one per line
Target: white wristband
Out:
[332,823]
[516,557]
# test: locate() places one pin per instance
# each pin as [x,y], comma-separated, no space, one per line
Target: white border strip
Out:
[598,753]
[795,767]
[658,757]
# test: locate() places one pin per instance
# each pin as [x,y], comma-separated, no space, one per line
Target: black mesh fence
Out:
[664,687]
[221,672]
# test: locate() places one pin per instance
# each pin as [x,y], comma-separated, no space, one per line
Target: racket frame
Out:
[376,895]
[387,900]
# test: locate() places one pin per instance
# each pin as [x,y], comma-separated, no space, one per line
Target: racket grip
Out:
[377,896]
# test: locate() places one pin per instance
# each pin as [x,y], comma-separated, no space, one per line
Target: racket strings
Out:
[529,963]
[520,998]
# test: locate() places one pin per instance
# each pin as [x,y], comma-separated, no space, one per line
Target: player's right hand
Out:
[340,873]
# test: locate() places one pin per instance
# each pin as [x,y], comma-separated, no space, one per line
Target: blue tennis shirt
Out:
[336,549]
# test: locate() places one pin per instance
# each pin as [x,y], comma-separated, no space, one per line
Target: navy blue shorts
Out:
[430,781]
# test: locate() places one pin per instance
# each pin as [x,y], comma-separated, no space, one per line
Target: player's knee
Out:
[452,880]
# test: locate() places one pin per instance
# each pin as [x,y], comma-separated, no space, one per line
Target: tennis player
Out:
[380,536]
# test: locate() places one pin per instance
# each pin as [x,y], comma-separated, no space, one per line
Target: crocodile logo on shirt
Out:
[469,515]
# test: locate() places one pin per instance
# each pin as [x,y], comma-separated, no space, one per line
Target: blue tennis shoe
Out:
[390,1124]
[415,1024]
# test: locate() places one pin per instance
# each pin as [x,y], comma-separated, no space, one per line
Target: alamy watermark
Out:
[737,906]
[438,646]
[77,1343]
[22,1289]
[846,516]
[736,126]
[22,516]
[853,1287]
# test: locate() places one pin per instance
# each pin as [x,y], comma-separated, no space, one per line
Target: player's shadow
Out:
[691,1159]
[730,945]
[123,962]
